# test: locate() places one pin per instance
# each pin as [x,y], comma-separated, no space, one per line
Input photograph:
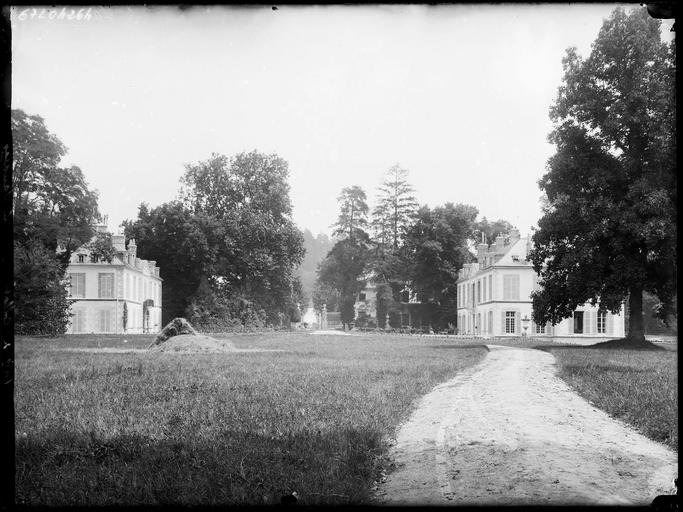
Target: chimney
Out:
[481,253]
[132,248]
[119,242]
[514,235]
[500,244]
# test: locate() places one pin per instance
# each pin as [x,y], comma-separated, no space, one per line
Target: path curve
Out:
[509,431]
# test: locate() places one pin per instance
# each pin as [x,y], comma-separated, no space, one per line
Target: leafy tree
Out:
[242,241]
[52,205]
[436,246]
[41,303]
[490,230]
[342,270]
[251,181]
[184,246]
[125,316]
[436,249]
[102,247]
[608,232]
[352,222]
[54,211]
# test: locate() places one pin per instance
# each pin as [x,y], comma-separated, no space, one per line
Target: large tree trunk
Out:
[636,332]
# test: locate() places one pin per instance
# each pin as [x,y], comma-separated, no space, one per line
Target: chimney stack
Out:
[132,248]
[500,244]
[481,253]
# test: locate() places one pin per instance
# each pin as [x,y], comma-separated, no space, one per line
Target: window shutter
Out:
[502,323]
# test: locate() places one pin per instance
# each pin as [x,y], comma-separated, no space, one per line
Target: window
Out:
[602,322]
[81,258]
[510,322]
[578,322]
[106,286]
[78,321]
[474,290]
[511,287]
[94,259]
[478,327]
[490,287]
[540,329]
[479,291]
[77,285]
[105,320]
[483,291]
[490,321]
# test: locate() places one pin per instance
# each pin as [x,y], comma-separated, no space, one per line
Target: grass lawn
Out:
[640,387]
[156,428]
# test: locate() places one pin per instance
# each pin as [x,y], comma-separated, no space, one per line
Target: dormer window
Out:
[81,258]
[515,257]
[94,259]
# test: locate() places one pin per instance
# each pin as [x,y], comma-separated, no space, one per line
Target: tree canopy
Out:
[340,274]
[436,249]
[394,212]
[352,222]
[54,211]
[395,209]
[228,245]
[342,271]
[608,230]
[489,230]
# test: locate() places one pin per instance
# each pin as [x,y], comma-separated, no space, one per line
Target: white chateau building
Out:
[100,291]
[494,299]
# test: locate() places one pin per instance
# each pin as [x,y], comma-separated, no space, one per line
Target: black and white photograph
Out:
[363,255]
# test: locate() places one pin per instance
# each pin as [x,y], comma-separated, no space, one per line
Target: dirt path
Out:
[508,431]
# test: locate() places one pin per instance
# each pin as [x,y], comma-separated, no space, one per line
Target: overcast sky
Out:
[458,95]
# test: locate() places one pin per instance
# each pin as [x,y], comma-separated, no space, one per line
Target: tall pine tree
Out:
[395,211]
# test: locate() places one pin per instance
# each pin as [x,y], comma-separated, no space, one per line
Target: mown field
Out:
[96,428]
[640,387]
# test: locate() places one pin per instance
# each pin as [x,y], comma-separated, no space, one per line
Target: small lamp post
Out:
[525,324]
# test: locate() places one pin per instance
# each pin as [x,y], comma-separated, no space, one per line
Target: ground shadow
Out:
[63,468]
[459,347]
[618,344]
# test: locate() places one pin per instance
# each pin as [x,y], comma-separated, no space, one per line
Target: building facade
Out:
[494,299]
[102,293]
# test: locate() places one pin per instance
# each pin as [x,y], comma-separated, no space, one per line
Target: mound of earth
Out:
[194,343]
[176,327]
